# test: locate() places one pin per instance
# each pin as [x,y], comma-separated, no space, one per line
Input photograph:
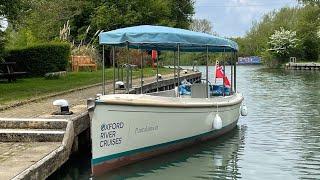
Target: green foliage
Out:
[27,88]
[311,48]
[40,59]
[304,20]
[188,58]
[113,14]
[310,2]
[307,28]
[45,17]
[12,10]
[283,42]
[202,25]
[270,60]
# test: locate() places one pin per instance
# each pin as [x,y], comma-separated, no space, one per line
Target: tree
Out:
[310,2]
[307,27]
[202,25]
[304,20]
[45,17]
[10,11]
[113,14]
[282,41]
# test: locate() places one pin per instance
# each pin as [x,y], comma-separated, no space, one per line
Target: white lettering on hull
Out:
[146,129]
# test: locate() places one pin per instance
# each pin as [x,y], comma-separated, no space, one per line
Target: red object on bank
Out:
[154,54]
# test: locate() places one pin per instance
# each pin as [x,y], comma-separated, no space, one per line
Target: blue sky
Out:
[232,18]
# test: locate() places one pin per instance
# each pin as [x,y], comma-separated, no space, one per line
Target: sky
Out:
[233,18]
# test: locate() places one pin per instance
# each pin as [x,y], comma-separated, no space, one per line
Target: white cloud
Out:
[244,9]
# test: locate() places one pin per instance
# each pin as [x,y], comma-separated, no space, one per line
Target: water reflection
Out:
[284,123]
[212,159]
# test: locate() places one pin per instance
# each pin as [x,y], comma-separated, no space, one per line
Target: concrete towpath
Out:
[17,157]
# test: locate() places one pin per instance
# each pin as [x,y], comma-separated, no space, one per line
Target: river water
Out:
[279,139]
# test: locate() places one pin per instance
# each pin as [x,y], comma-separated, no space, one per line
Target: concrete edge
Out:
[78,122]
[51,162]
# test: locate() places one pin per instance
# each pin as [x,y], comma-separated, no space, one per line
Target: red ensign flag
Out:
[219,72]
[226,81]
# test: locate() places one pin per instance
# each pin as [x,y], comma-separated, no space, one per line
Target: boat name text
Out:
[108,135]
[146,129]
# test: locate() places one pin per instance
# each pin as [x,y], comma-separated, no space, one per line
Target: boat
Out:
[126,128]
[249,60]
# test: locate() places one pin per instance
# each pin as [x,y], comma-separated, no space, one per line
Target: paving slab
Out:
[16,157]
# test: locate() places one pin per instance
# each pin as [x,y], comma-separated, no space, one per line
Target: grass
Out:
[26,88]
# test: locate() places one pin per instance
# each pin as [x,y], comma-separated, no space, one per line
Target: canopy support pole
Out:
[141,73]
[235,72]
[178,70]
[127,67]
[103,73]
[174,69]
[114,70]
[231,65]
[207,73]
[157,73]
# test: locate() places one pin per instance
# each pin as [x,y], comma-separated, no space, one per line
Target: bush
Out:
[40,59]
[270,60]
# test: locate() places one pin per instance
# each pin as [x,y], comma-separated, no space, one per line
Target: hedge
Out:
[40,59]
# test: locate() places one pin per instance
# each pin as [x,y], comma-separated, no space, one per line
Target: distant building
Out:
[249,60]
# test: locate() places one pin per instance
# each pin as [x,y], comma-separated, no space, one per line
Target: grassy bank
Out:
[27,88]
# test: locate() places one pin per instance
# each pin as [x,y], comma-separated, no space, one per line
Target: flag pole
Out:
[224,73]
[215,73]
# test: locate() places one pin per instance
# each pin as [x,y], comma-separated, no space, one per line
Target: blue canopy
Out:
[166,38]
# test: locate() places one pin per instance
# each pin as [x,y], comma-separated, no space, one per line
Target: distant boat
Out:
[126,128]
[249,60]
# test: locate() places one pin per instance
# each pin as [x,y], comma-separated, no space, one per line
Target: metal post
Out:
[114,70]
[224,72]
[122,66]
[231,65]
[235,72]
[103,73]
[193,66]
[118,73]
[141,73]
[179,70]
[130,69]
[157,73]
[127,68]
[207,72]
[174,69]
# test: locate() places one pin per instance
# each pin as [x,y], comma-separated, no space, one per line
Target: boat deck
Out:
[184,101]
